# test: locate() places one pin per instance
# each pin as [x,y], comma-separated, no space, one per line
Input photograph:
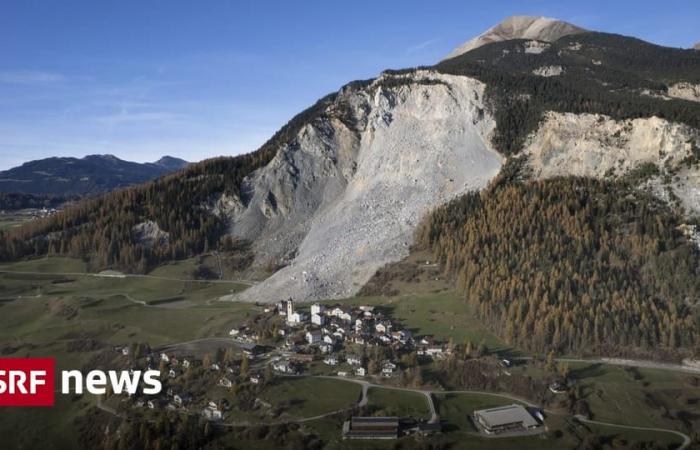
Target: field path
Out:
[686,438]
[128,275]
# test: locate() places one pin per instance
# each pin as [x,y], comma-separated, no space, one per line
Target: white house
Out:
[354,360]
[317,309]
[181,399]
[331,361]
[225,382]
[436,351]
[295,318]
[388,368]
[360,372]
[282,308]
[283,366]
[212,413]
[326,348]
[402,336]
[317,319]
[382,327]
[328,339]
[313,337]
[164,357]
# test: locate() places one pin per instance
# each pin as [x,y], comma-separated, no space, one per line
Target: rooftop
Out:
[505,415]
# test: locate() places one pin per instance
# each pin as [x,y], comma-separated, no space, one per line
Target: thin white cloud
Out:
[125,117]
[423,45]
[30,77]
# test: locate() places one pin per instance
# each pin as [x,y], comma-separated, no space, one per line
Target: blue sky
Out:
[195,79]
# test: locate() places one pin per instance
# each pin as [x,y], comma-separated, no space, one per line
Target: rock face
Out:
[593,145]
[150,234]
[344,199]
[597,146]
[548,71]
[520,27]
[685,91]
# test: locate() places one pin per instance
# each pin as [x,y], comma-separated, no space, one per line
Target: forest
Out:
[572,265]
[99,229]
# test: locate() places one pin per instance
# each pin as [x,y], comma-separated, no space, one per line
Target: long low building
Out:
[371,428]
[505,418]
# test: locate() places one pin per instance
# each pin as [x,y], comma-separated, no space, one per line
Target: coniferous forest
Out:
[571,265]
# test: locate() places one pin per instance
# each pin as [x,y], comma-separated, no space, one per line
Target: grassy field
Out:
[398,403]
[309,397]
[10,219]
[40,315]
[642,397]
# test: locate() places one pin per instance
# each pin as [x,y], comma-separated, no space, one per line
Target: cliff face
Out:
[345,197]
[593,145]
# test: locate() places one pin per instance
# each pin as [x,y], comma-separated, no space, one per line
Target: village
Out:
[360,344]
[337,335]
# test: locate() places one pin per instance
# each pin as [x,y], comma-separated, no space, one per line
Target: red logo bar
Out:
[27,381]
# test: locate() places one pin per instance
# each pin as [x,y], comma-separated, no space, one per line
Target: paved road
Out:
[434,418]
[429,399]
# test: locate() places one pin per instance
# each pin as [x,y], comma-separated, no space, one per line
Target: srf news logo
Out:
[31,381]
[27,381]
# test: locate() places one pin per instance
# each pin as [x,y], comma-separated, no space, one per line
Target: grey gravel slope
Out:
[345,200]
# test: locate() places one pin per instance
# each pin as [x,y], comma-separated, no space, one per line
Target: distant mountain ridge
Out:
[91,175]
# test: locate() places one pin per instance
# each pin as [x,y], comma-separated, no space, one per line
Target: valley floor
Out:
[52,307]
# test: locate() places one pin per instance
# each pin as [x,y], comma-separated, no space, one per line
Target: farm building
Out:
[505,418]
[371,428]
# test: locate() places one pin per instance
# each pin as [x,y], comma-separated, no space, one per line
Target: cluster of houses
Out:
[331,335]
[176,397]
[329,330]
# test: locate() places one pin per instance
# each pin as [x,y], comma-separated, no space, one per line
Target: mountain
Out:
[170,163]
[91,175]
[547,184]
[520,27]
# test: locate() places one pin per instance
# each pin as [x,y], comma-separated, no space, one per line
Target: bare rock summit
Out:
[520,27]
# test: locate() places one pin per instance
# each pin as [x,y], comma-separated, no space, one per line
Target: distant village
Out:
[284,341]
[336,332]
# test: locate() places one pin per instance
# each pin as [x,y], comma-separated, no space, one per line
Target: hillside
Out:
[91,175]
[584,266]
[339,191]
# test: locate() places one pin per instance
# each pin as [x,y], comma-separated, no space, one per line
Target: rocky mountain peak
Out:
[520,27]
